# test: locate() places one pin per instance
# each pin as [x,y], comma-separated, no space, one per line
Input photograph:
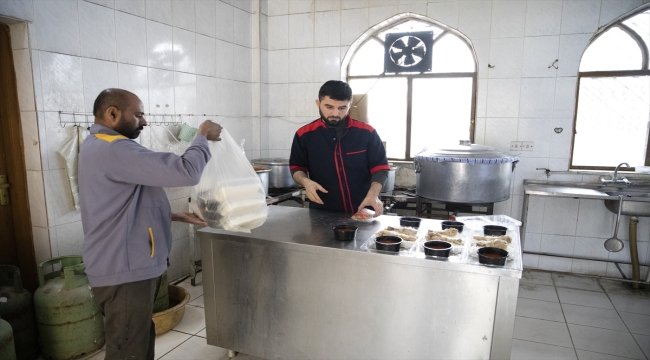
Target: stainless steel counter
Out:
[288,290]
[637,192]
[583,190]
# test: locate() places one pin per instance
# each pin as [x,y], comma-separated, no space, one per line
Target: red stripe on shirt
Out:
[345,176]
[338,174]
[355,152]
[360,125]
[310,127]
[379,168]
[297,168]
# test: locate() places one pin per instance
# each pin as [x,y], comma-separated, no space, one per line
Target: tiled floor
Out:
[559,316]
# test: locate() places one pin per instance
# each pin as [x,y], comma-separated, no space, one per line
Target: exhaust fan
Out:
[408,52]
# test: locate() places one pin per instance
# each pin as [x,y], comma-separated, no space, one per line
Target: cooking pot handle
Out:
[417,164]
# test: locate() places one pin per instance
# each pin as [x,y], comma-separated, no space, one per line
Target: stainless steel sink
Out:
[636,196]
[631,208]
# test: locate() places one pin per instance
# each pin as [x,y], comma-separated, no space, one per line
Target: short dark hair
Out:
[118,98]
[336,90]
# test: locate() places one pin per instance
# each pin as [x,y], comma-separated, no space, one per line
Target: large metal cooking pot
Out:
[262,172]
[466,173]
[280,175]
[389,185]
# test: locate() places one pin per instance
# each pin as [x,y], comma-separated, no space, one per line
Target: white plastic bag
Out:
[230,194]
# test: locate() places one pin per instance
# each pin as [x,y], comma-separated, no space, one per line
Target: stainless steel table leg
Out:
[524,218]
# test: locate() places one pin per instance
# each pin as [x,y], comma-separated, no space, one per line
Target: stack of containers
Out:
[230,194]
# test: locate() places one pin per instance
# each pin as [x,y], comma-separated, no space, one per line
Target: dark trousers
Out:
[127,308]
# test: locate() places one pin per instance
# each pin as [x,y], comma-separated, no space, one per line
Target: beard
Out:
[330,121]
[126,129]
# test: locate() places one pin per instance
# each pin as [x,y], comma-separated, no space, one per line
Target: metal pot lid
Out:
[275,161]
[466,152]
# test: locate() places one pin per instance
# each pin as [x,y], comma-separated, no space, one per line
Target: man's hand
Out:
[210,130]
[189,218]
[375,203]
[372,199]
[310,186]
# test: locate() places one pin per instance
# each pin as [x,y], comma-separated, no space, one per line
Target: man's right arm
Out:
[299,165]
[310,186]
[135,164]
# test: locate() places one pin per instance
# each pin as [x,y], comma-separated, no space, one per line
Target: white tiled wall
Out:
[178,56]
[522,98]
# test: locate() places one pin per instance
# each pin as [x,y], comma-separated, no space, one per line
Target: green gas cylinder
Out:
[17,309]
[7,350]
[69,322]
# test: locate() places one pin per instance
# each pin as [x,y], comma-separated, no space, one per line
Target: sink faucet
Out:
[615,178]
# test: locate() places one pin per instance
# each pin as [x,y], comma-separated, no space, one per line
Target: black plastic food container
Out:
[437,248]
[494,230]
[453,224]
[410,221]
[345,232]
[388,243]
[492,256]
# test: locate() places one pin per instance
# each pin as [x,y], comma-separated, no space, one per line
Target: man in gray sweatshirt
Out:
[126,216]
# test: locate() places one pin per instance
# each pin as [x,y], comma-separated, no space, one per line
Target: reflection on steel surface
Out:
[289,290]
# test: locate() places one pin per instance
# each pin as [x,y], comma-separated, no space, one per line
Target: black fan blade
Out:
[419,51]
[399,44]
[413,41]
[395,54]
[408,60]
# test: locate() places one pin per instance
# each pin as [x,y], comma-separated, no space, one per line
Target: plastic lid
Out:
[275,161]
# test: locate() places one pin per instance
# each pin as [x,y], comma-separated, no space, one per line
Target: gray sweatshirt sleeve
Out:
[380,177]
[132,163]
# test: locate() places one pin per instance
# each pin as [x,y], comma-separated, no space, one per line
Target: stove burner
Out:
[278,195]
[280,191]
[423,207]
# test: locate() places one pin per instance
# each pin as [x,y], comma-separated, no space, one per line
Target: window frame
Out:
[618,23]
[372,34]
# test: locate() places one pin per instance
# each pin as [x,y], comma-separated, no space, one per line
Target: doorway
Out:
[16,242]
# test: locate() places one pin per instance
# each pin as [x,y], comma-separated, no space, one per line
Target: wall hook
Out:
[491,66]
[554,64]
[546,170]
[558,130]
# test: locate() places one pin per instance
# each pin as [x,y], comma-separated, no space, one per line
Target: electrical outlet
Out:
[515,145]
[526,146]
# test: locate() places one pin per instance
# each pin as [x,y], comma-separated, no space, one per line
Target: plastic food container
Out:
[437,248]
[388,243]
[345,232]
[410,221]
[492,256]
[494,230]
[453,224]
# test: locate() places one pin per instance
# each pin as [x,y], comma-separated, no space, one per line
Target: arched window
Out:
[611,121]
[417,109]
